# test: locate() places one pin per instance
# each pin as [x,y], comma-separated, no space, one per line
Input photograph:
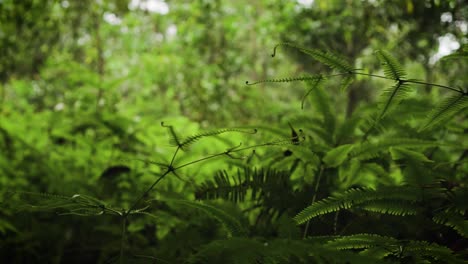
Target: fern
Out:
[383,247]
[258,183]
[392,68]
[328,58]
[446,110]
[393,96]
[453,220]
[185,143]
[191,139]
[240,250]
[361,198]
[77,204]
[338,155]
[361,241]
[369,150]
[231,224]
[430,251]
[314,84]
[285,80]
[391,207]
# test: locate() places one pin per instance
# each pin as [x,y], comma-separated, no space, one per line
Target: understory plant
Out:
[384,184]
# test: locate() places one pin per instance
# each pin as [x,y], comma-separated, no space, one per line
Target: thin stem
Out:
[146,193]
[306,230]
[373,75]
[434,84]
[122,241]
[410,81]
[174,156]
[200,160]
[173,169]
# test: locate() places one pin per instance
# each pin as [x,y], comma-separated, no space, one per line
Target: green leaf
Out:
[229,222]
[392,96]
[392,68]
[356,197]
[443,112]
[328,58]
[315,83]
[402,153]
[338,155]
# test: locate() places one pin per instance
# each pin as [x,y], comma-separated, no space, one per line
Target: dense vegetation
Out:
[164,132]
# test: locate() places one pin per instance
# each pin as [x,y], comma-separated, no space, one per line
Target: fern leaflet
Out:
[392,68]
[446,110]
[231,224]
[356,198]
[393,95]
[330,59]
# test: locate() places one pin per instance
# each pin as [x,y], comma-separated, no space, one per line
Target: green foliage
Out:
[328,58]
[86,175]
[395,201]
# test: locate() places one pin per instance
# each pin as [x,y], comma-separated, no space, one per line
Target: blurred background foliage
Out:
[85,84]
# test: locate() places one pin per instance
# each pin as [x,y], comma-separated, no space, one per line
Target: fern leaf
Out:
[453,220]
[392,68]
[346,82]
[175,139]
[391,207]
[354,198]
[338,155]
[361,241]
[191,139]
[332,60]
[430,251]
[393,96]
[369,150]
[446,110]
[231,224]
[403,153]
[314,84]
[285,80]
[323,105]
[256,183]
[233,250]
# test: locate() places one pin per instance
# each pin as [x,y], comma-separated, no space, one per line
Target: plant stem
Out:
[410,81]
[122,241]
[306,230]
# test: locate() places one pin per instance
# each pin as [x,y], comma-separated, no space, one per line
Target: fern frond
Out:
[393,96]
[191,139]
[233,250]
[391,207]
[355,198]
[369,150]
[403,153]
[77,204]
[448,108]
[286,80]
[361,241]
[430,251]
[338,155]
[392,68]
[346,82]
[40,201]
[328,58]
[84,212]
[175,139]
[231,224]
[314,83]
[453,220]
[256,183]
